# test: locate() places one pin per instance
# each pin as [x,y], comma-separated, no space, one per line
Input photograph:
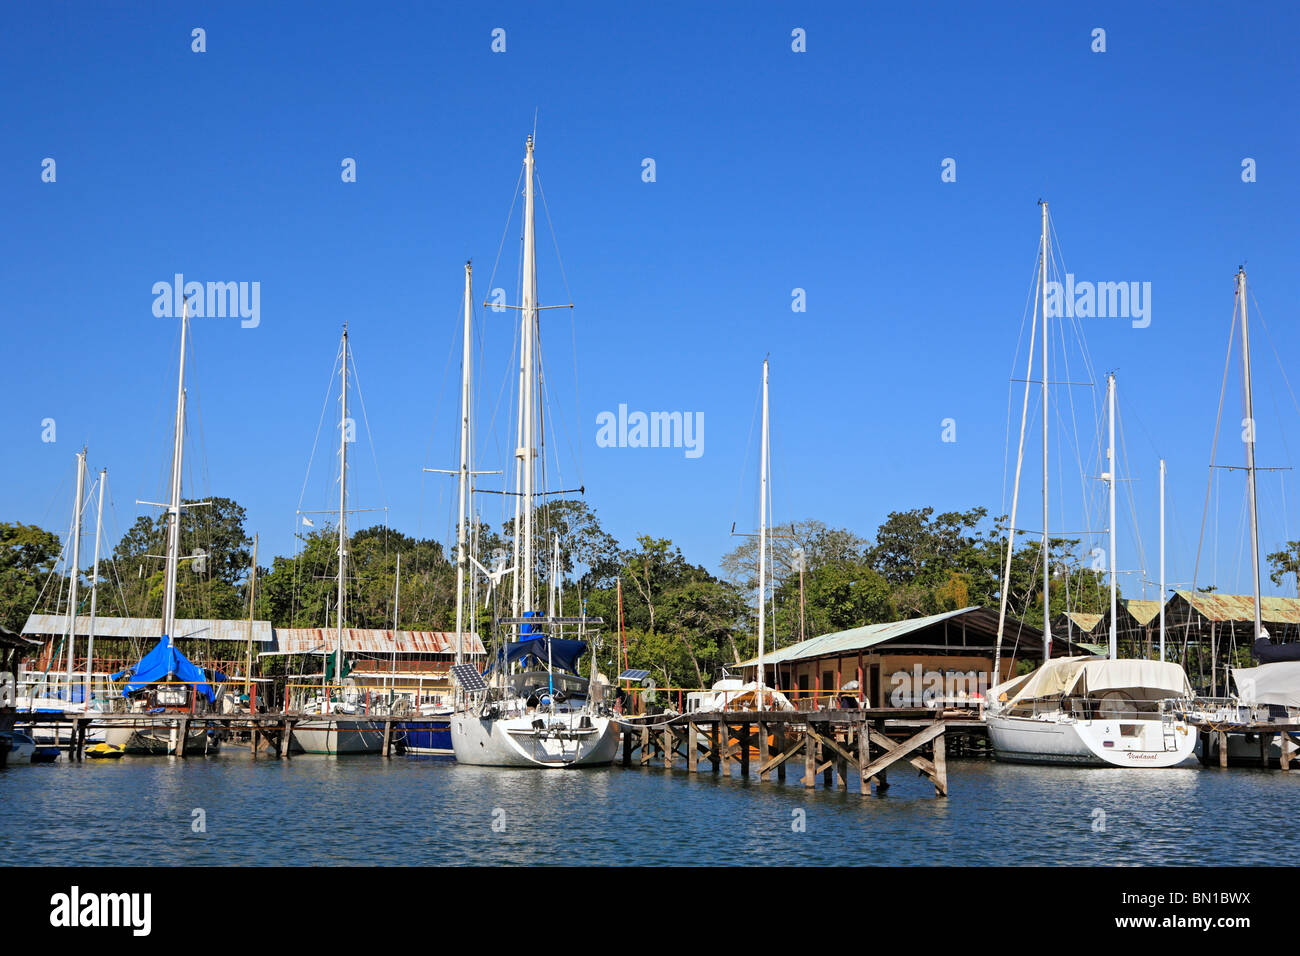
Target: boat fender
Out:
[539,724]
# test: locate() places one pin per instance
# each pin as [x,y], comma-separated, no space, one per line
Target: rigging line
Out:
[740,482]
[510,215]
[1214,447]
[319,425]
[1137,531]
[374,456]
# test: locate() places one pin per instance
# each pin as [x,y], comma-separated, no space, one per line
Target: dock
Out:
[833,744]
[270,731]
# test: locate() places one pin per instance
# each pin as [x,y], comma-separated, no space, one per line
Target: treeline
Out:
[682,622]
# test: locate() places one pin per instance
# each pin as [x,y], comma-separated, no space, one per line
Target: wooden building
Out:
[944,658]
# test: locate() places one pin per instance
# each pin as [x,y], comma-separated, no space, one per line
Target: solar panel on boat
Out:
[633,675]
[468,677]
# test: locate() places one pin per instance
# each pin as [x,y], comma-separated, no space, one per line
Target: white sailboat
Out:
[1270,691]
[1090,711]
[337,730]
[40,694]
[165,681]
[545,716]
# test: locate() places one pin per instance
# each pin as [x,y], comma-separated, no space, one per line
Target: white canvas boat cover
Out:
[1152,680]
[1277,684]
[731,694]
[1080,676]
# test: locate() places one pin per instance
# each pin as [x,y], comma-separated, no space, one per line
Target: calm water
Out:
[362,810]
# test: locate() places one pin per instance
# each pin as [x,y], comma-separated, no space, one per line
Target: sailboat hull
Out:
[339,736]
[1058,739]
[570,740]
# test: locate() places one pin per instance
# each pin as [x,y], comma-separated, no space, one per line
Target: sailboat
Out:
[1269,691]
[337,730]
[544,714]
[165,681]
[431,736]
[43,695]
[1088,711]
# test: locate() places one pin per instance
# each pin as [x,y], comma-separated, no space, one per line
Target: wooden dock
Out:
[832,743]
[266,731]
[1257,738]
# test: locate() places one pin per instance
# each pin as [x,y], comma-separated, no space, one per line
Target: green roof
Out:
[854,639]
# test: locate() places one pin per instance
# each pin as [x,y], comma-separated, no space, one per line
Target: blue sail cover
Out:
[163,663]
[563,653]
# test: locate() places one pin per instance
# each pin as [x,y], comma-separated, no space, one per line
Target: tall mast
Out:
[252,601]
[76,564]
[94,588]
[1162,559]
[174,498]
[343,516]
[1015,494]
[462,555]
[762,540]
[1110,480]
[527,451]
[1047,554]
[1250,446]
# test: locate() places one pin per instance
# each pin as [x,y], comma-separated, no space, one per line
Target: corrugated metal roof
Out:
[1144,611]
[1084,620]
[309,640]
[1241,607]
[854,639]
[149,628]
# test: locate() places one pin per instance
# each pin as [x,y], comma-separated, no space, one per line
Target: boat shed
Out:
[943,658]
[1137,628]
[1223,625]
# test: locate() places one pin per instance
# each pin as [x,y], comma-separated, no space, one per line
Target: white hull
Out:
[1059,739]
[571,740]
[330,736]
[20,752]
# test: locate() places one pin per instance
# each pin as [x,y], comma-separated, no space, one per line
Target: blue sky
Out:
[775,170]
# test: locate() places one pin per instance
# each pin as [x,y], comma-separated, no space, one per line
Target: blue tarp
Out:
[564,654]
[165,663]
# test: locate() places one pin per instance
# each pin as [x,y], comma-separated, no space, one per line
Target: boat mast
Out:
[252,600]
[1250,447]
[1110,480]
[762,540]
[76,565]
[94,589]
[1015,495]
[343,496]
[174,498]
[462,555]
[525,453]
[1047,567]
[1162,559]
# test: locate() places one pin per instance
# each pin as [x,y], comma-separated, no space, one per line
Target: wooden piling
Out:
[182,730]
[646,752]
[692,747]
[724,746]
[762,751]
[1223,748]
[714,750]
[746,739]
[809,758]
[388,738]
[670,748]
[940,767]
[780,748]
